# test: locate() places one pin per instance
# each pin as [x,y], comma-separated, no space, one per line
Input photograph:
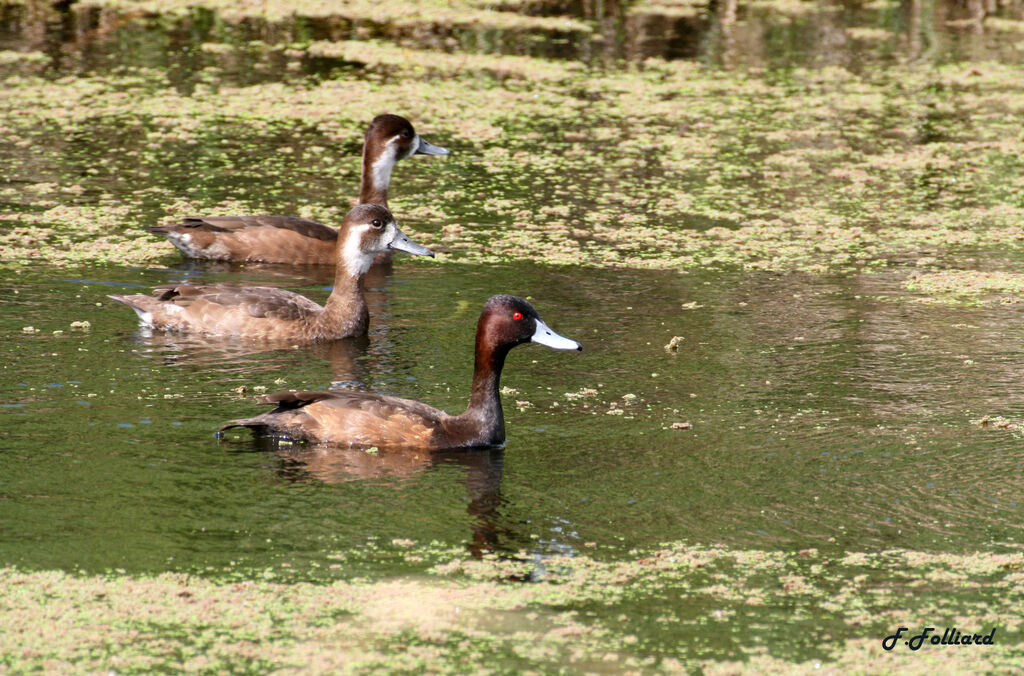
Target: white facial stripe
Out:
[545,336]
[356,261]
[390,232]
[381,168]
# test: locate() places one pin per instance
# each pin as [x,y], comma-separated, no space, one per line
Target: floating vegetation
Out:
[399,13]
[672,347]
[432,62]
[464,614]
[666,164]
[8,57]
[612,158]
[968,286]
[1000,423]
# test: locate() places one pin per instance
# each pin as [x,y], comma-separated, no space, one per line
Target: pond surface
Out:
[823,415]
[833,411]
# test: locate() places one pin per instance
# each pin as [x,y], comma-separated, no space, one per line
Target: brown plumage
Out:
[343,418]
[299,241]
[266,313]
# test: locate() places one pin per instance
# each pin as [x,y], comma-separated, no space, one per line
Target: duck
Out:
[352,419]
[267,313]
[292,240]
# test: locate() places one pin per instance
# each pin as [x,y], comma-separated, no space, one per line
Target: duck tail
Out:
[127,300]
[137,302]
[255,424]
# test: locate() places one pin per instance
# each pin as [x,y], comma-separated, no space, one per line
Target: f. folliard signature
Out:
[950,636]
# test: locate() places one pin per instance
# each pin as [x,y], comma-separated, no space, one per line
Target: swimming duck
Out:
[267,313]
[343,418]
[299,241]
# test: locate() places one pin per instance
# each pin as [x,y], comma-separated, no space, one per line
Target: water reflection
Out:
[87,38]
[482,477]
[824,410]
[345,358]
[271,274]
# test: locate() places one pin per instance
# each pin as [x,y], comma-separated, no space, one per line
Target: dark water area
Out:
[93,39]
[823,415]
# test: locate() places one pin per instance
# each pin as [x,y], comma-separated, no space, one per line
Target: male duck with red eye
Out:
[265,313]
[359,419]
[299,241]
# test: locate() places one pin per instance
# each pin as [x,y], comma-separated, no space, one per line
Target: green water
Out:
[828,411]
[822,417]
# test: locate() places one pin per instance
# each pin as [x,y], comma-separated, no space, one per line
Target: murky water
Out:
[799,411]
[822,416]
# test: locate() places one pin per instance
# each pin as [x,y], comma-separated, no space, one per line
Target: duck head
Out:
[507,321]
[370,229]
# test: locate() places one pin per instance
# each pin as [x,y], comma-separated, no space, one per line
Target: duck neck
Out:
[345,313]
[485,400]
[376,175]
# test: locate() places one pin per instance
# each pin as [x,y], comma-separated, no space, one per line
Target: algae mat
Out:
[654,164]
[463,618]
[819,214]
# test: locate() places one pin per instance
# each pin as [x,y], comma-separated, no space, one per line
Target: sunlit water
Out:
[826,412]
[821,416]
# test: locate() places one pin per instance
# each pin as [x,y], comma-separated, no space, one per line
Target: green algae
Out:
[577,613]
[433,63]
[75,235]
[473,13]
[651,164]
[820,171]
[8,57]
[967,286]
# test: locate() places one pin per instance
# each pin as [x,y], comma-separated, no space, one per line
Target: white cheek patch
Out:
[390,233]
[380,170]
[356,261]
[183,242]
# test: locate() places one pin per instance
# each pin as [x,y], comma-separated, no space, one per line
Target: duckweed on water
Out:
[404,13]
[667,165]
[646,164]
[970,286]
[464,613]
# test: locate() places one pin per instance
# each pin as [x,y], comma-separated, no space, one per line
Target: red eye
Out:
[517,316]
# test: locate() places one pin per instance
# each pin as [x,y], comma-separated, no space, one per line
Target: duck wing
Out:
[254,239]
[226,224]
[261,302]
[346,418]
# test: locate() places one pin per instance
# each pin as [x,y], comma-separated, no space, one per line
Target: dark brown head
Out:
[507,321]
[392,136]
[369,229]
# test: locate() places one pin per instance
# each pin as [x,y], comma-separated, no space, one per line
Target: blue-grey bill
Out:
[430,149]
[545,336]
[403,243]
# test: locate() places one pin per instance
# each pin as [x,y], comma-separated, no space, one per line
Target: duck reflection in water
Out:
[346,359]
[483,470]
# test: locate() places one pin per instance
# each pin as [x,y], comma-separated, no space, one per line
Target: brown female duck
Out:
[299,241]
[266,313]
[343,418]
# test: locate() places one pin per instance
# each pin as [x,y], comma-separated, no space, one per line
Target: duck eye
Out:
[517,316]
[376,223]
[407,133]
